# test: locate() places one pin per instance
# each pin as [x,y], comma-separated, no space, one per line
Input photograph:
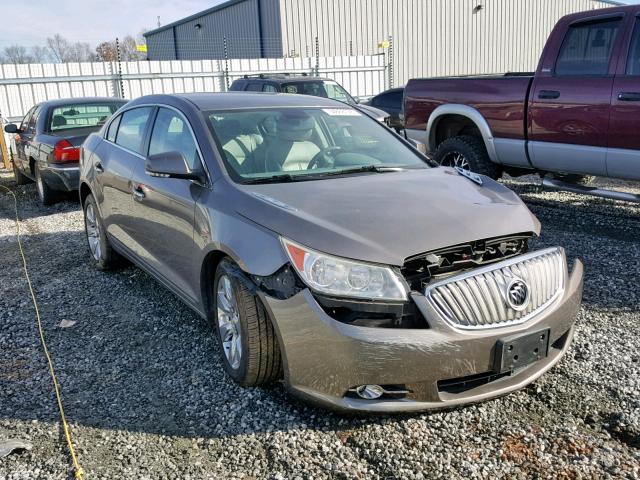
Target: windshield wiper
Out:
[286,177]
[280,178]
[365,168]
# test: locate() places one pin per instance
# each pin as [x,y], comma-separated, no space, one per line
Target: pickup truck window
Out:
[633,62]
[587,48]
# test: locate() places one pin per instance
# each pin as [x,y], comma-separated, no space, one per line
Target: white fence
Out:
[22,86]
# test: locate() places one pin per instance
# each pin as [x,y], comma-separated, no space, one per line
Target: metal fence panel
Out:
[22,86]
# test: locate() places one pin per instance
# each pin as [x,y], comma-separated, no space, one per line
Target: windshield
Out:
[292,144]
[81,115]
[321,88]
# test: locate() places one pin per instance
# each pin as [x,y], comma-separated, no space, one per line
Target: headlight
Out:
[344,278]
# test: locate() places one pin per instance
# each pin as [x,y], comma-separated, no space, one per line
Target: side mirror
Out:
[421,147]
[171,165]
[11,128]
[356,99]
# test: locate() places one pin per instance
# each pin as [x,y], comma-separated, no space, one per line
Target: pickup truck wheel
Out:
[467,152]
[584,180]
[248,343]
[20,178]
[103,255]
[46,194]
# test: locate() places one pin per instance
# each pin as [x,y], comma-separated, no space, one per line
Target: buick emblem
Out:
[518,294]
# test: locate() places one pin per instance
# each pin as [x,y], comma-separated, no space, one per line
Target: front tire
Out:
[469,153]
[247,340]
[102,253]
[46,194]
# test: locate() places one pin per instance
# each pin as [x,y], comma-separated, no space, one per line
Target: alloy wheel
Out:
[93,232]
[229,322]
[455,159]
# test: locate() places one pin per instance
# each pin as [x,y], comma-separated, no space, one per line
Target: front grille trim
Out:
[474,300]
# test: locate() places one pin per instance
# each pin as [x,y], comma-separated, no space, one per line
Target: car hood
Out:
[387,217]
[373,112]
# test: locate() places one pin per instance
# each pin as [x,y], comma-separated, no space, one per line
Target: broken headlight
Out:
[344,278]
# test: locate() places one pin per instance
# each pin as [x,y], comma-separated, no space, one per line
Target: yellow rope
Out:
[78,471]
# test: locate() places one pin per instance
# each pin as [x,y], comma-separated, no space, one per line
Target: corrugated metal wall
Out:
[251,28]
[431,37]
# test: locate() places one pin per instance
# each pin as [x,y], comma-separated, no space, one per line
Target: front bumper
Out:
[61,177]
[324,359]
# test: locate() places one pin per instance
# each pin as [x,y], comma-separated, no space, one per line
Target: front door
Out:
[164,208]
[569,107]
[22,140]
[623,155]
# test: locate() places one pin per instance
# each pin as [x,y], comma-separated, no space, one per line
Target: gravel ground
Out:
[147,398]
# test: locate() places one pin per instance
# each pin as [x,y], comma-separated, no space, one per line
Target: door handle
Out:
[629,96]
[549,94]
[138,192]
[98,167]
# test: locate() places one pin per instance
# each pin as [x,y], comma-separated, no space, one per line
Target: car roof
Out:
[239,100]
[286,78]
[79,100]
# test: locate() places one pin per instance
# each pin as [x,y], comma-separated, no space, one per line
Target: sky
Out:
[92,21]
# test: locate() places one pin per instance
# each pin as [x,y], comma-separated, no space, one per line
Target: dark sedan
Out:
[390,101]
[46,145]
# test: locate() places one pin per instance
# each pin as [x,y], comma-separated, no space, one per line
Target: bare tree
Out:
[107,52]
[40,54]
[16,54]
[59,48]
[80,52]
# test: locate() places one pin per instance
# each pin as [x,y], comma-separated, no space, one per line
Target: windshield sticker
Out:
[341,112]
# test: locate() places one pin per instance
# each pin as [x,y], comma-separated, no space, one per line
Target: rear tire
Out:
[469,153]
[20,178]
[584,180]
[46,194]
[102,253]
[248,344]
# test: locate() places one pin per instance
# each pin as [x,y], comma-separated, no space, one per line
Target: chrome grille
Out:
[478,299]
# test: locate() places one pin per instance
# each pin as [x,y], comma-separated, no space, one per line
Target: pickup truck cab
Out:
[577,116]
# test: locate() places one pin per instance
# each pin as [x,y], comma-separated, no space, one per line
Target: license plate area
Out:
[521,350]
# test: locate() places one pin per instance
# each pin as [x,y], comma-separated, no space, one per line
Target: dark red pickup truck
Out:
[577,116]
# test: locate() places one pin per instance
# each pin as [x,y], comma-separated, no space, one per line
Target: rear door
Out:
[570,101]
[623,155]
[164,208]
[113,163]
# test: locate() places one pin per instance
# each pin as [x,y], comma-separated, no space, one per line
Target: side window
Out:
[633,62]
[172,134]
[254,87]
[587,48]
[268,88]
[26,119]
[132,127]
[113,129]
[31,126]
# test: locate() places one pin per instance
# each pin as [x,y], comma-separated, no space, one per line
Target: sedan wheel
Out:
[46,194]
[93,232]
[248,344]
[229,322]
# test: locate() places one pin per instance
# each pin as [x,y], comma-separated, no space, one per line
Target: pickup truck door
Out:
[570,100]
[623,155]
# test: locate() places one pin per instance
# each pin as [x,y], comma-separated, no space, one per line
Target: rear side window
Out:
[633,62]
[269,88]
[254,87]
[172,134]
[132,126]
[587,48]
[113,129]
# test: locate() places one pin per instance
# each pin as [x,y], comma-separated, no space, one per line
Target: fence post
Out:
[317,58]
[120,82]
[390,61]
[6,160]
[226,63]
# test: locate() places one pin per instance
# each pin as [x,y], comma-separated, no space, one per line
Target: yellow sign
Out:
[141,48]
[384,44]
